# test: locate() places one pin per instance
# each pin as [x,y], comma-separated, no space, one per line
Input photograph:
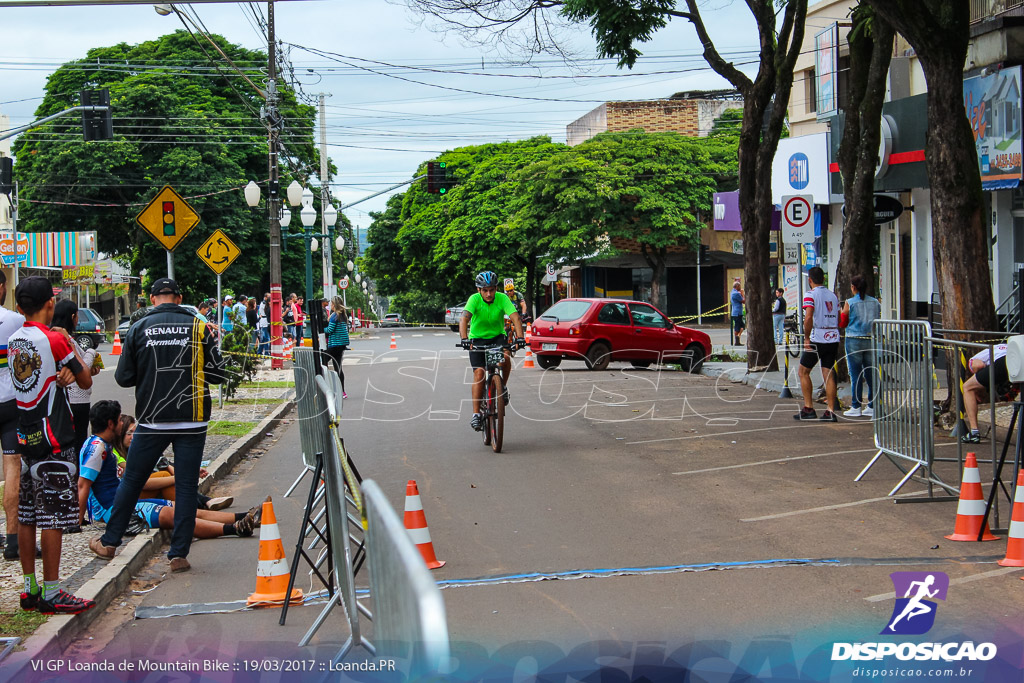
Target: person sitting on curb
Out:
[98,482]
[976,388]
[162,479]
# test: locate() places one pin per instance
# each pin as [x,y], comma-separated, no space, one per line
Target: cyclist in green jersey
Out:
[483,322]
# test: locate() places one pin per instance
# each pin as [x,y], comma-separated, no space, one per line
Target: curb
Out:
[50,639]
[738,373]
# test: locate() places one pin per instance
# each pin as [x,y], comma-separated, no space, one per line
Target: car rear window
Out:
[567,310]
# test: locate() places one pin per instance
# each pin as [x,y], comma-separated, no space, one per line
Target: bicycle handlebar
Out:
[474,347]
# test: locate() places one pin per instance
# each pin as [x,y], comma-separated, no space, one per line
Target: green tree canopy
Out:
[178,122]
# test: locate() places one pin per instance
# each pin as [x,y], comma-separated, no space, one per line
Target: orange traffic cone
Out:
[272,573]
[394,345]
[528,361]
[289,348]
[416,525]
[971,509]
[116,351]
[1015,541]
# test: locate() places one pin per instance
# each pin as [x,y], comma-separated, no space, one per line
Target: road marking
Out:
[440,334]
[832,507]
[417,335]
[770,462]
[963,579]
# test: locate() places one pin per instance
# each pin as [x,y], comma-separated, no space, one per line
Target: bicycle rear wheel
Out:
[497,417]
[793,344]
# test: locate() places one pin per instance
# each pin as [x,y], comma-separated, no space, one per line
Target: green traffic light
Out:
[442,164]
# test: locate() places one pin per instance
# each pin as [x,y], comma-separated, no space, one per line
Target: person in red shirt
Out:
[42,362]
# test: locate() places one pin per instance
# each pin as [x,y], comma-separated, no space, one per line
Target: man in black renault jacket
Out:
[170,357]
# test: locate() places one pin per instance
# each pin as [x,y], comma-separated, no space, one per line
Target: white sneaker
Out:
[867,412]
[852,412]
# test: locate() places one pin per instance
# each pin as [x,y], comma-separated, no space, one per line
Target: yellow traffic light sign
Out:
[218,252]
[168,218]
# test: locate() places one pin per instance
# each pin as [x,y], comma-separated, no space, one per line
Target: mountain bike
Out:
[492,405]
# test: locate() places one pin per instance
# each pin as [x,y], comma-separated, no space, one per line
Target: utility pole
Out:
[325,199]
[273,200]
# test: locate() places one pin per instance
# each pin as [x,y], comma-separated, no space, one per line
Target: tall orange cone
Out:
[272,572]
[289,348]
[394,345]
[528,361]
[971,510]
[116,351]
[1015,542]
[416,525]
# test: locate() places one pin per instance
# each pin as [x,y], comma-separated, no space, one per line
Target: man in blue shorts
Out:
[98,482]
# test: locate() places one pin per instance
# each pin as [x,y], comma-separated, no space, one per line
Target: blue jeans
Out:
[860,358]
[147,447]
[778,321]
[264,348]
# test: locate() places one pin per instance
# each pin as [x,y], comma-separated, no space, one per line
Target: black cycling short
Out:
[9,427]
[1002,377]
[476,358]
[826,353]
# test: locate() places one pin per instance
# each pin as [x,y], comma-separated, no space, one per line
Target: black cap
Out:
[164,285]
[33,292]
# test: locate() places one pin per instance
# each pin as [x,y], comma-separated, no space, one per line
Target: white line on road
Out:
[769,462]
[963,579]
[417,335]
[837,506]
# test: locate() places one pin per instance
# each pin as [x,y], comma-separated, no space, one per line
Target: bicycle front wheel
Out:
[486,409]
[793,345]
[496,422]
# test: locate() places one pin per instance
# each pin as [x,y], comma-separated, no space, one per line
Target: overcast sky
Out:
[381,127]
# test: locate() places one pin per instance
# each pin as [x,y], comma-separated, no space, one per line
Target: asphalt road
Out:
[688,493]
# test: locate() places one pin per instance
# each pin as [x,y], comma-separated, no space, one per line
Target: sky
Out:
[384,120]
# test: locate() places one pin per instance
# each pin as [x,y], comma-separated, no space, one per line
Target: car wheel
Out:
[85,341]
[598,356]
[549,361]
[693,361]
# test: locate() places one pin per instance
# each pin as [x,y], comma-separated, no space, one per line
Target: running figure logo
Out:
[914,614]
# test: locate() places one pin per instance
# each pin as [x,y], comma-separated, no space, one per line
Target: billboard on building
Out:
[826,70]
[727,211]
[992,103]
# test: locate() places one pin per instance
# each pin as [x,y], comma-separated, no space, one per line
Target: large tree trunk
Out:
[656,261]
[870,55]
[938,30]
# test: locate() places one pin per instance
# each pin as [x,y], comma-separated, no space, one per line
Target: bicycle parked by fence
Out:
[492,405]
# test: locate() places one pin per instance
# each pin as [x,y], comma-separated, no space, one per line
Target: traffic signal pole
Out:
[273,201]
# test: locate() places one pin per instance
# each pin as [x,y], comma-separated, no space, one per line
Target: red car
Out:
[598,331]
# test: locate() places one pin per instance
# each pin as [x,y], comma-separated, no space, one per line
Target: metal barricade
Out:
[904,402]
[410,620]
[313,434]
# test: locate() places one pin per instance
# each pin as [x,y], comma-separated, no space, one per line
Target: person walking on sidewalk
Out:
[336,332]
[170,358]
[821,343]
[779,315]
[859,311]
[10,322]
[42,363]
[263,324]
[736,301]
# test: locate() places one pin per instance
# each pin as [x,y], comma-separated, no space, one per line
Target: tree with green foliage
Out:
[176,122]
[619,28]
[654,189]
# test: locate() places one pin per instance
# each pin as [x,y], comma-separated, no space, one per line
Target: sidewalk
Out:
[737,372]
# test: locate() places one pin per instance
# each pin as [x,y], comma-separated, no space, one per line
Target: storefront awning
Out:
[1010,184]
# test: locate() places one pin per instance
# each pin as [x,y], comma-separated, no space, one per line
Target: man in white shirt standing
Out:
[821,343]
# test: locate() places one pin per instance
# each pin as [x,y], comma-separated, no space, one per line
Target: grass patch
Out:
[229,428]
[20,624]
[279,384]
[252,401]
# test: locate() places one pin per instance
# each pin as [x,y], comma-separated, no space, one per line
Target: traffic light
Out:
[97,125]
[168,219]
[702,254]
[6,175]
[437,177]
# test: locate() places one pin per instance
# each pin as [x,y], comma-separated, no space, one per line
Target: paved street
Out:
[656,476]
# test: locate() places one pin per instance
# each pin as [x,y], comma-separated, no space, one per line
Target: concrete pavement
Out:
[635,483]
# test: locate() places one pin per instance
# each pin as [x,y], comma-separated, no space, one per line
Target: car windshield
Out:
[567,310]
